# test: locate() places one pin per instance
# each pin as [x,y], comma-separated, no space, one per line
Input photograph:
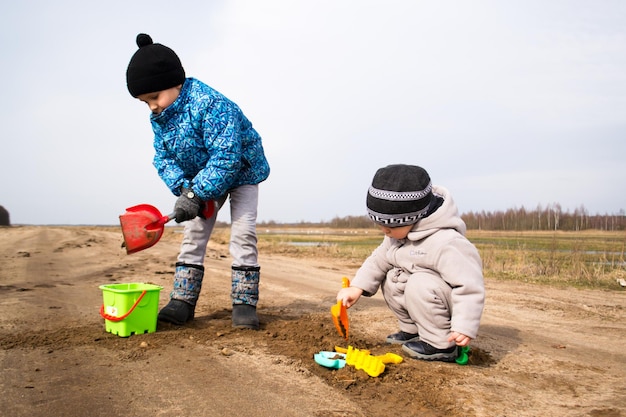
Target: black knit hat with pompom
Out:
[154,67]
[400,195]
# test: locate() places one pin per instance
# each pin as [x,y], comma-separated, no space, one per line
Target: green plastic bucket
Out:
[130,308]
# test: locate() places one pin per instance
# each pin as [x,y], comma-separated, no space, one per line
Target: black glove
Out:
[188,206]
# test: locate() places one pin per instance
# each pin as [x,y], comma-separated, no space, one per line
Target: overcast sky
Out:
[506,103]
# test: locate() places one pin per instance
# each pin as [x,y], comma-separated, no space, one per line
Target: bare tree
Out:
[557,215]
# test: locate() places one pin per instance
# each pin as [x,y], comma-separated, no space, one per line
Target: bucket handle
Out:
[114,318]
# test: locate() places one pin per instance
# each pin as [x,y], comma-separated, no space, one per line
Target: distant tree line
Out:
[348,222]
[552,217]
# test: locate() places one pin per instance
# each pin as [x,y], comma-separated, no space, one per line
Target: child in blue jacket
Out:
[206,151]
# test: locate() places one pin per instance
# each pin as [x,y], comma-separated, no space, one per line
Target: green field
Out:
[589,259]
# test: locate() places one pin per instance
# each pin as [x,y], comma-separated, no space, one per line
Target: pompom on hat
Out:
[400,195]
[154,67]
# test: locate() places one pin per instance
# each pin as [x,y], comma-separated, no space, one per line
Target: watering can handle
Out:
[209,209]
[120,318]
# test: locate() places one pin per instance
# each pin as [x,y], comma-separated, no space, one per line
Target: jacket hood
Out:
[445,217]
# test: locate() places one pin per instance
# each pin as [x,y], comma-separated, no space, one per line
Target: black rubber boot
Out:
[177,312]
[245,317]
[184,295]
[245,295]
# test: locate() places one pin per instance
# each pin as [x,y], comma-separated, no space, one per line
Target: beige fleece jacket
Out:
[436,243]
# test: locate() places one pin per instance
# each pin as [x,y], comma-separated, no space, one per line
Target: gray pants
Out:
[243,240]
[421,302]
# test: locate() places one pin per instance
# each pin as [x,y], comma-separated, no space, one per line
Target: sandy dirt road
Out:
[541,351]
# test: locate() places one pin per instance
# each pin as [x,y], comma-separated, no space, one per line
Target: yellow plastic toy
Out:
[389,358]
[360,359]
[372,365]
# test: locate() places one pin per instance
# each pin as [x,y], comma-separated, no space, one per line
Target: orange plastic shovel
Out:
[340,314]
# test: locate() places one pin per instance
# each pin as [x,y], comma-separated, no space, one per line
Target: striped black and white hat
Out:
[400,195]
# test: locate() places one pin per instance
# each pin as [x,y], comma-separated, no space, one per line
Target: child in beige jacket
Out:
[429,273]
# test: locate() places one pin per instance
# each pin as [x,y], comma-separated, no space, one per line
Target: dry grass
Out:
[589,259]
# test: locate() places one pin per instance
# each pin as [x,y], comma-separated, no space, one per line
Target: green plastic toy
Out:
[463,356]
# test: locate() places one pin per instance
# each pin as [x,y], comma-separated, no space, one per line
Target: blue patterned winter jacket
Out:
[204,142]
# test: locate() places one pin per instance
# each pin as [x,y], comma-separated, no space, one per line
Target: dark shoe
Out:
[401,338]
[422,350]
[177,312]
[244,317]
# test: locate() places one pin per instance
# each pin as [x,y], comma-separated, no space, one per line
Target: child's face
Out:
[160,100]
[396,232]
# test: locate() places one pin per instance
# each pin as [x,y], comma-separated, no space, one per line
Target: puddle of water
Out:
[308,244]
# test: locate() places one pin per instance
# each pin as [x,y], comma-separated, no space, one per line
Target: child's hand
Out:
[460,339]
[349,296]
[188,206]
